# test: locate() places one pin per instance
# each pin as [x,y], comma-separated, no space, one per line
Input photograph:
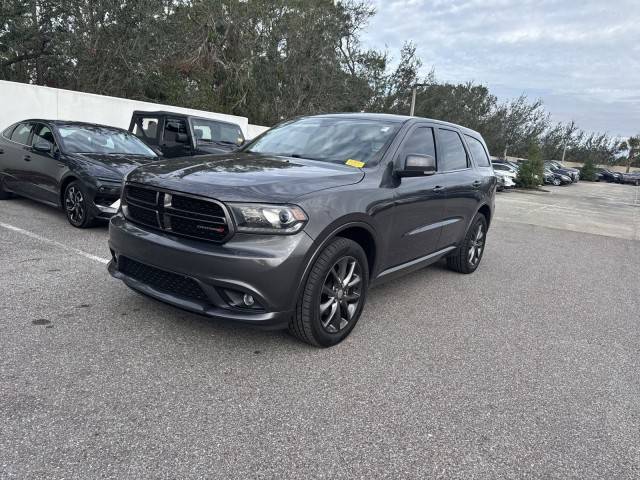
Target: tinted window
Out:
[420,141]
[172,128]
[42,133]
[328,139]
[146,128]
[7,132]
[21,133]
[478,152]
[452,155]
[212,131]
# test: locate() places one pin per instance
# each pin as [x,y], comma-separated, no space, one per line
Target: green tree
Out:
[588,170]
[530,174]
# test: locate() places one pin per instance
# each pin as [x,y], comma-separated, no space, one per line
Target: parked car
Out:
[558,167]
[563,171]
[499,161]
[292,230]
[178,135]
[76,166]
[505,180]
[553,178]
[506,175]
[633,178]
[604,174]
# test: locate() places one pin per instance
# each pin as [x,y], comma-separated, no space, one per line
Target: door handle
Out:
[27,158]
[476,184]
[1,151]
[438,189]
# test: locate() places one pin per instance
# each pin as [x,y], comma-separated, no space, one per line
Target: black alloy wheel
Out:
[332,297]
[467,257]
[76,206]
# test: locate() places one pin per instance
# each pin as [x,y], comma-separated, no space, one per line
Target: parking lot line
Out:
[53,242]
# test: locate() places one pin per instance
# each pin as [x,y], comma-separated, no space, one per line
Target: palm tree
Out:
[632,147]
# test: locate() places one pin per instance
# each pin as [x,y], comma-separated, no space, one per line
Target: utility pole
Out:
[414,91]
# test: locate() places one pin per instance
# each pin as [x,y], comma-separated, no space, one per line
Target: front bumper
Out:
[267,267]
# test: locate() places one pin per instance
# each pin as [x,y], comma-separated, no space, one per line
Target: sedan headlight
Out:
[265,218]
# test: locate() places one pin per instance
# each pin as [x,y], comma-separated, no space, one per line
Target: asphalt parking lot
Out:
[526,369]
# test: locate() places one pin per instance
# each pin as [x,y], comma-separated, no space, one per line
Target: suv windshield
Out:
[328,139]
[212,131]
[103,140]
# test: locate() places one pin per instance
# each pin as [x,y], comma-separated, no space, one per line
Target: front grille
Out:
[176,213]
[162,280]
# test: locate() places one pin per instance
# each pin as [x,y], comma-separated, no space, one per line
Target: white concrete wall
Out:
[19,101]
[254,130]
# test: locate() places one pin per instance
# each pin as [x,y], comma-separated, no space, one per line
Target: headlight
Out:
[258,218]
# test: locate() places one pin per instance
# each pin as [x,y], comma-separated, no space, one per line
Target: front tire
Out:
[333,296]
[77,206]
[557,182]
[468,255]
[4,195]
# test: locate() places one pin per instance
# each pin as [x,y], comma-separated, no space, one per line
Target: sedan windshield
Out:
[328,139]
[102,140]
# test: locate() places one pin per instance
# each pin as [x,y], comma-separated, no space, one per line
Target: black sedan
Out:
[75,166]
[606,175]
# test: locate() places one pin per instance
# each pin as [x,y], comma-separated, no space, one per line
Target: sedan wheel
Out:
[556,182]
[76,206]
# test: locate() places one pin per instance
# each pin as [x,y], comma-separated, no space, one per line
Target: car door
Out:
[175,141]
[419,203]
[462,183]
[44,169]
[145,127]
[16,157]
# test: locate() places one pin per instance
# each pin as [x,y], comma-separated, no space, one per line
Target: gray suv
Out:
[293,229]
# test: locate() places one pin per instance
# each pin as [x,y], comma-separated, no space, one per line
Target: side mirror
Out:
[42,146]
[415,165]
[182,138]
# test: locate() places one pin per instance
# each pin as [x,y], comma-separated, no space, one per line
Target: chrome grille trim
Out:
[165,211]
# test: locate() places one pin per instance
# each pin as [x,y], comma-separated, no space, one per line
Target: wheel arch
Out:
[359,231]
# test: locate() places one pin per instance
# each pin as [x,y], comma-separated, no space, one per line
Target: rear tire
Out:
[467,257]
[77,206]
[333,295]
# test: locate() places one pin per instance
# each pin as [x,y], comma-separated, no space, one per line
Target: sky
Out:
[581,57]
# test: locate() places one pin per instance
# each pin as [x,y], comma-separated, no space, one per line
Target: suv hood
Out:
[118,164]
[246,177]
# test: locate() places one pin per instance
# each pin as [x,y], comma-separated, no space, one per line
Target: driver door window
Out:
[420,141]
[42,133]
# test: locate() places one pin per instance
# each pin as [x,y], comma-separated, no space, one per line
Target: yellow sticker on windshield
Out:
[355,163]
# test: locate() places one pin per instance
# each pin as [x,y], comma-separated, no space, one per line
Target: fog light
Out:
[248,300]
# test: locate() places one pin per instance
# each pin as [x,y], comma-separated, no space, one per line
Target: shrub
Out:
[531,172]
[588,171]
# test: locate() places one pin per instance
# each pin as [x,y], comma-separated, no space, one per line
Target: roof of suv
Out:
[388,117]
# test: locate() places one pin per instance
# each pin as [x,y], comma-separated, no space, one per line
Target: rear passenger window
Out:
[478,152]
[421,142]
[452,153]
[21,133]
